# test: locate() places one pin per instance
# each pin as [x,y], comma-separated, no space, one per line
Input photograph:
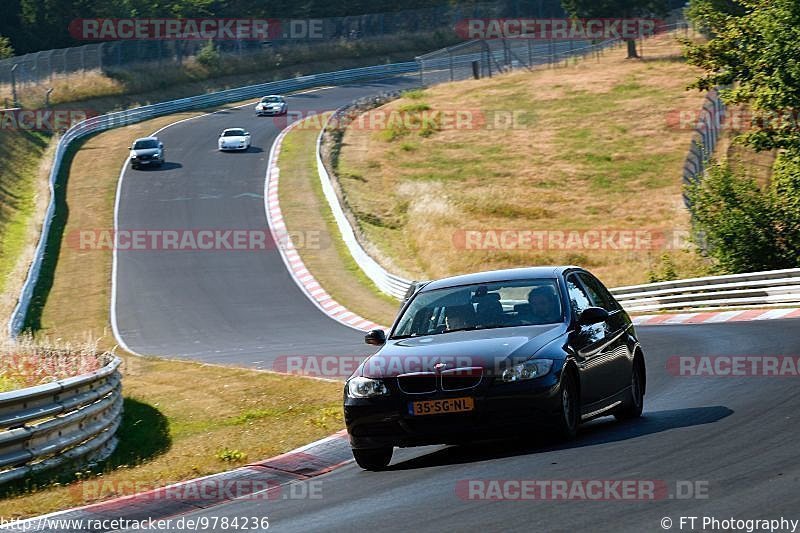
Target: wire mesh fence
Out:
[704,140]
[485,57]
[41,67]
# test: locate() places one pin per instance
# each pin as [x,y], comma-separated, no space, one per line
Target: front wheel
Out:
[569,415]
[632,408]
[373,458]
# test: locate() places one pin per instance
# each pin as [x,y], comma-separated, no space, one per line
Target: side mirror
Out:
[592,315]
[247,134]
[161,145]
[376,337]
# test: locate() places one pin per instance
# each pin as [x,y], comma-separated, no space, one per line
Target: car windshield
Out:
[233,133]
[144,145]
[271,100]
[482,306]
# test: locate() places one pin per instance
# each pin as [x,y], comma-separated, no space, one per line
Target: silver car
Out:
[272,105]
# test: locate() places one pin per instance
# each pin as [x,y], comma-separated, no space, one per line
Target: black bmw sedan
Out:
[494,354]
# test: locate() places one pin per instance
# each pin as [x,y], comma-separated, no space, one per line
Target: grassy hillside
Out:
[21,156]
[592,147]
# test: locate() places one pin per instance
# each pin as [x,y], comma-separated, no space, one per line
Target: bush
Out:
[209,56]
[747,228]
[5,48]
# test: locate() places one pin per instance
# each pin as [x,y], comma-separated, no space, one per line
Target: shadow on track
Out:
[600,431]
[167,165]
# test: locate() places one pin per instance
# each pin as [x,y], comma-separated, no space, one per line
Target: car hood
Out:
[146,151]
[238,139]
[490,349]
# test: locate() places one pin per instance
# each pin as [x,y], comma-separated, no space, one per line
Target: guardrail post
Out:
[14,85]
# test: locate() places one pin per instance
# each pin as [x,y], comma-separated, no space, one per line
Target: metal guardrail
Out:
[769,288]
[132,116]
[51,425]
[391,284]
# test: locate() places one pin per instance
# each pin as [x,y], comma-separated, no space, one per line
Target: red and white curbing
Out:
[297,269]
[711,317]
[260,480]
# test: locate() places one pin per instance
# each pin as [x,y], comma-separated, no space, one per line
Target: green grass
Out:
[21,155]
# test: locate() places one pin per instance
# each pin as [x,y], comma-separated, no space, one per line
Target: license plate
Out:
[440,407]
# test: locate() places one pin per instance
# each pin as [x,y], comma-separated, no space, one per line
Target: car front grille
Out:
[461,378]
[448,380]
[417,382]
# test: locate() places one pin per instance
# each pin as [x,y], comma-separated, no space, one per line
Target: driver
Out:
[544,305]
[459,317]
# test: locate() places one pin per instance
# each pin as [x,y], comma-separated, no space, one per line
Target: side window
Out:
[598,294]
[577,296]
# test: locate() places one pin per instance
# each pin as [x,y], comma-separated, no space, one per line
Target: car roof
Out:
[272,96]
[233,129]
[510,274]
[146,139]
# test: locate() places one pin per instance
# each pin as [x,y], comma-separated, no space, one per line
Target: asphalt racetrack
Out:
[730,441]
[233,307]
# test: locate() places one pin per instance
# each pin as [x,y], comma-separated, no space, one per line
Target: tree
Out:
[5,48]
[745,228]
[755,55]
[616,9]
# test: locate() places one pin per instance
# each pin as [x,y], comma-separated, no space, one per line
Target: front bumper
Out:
[269,112]
[145,162]
[230,148]
[500,410]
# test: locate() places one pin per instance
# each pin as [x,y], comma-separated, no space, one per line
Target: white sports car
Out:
[234,139]
[272,105]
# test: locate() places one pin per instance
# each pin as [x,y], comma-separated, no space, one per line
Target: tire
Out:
[373,458]
[634,404]
[570,410]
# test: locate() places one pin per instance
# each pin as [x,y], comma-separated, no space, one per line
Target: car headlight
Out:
[361,387]
[535,368]
[133,156]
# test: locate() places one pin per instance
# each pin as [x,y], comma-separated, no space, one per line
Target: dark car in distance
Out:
[146,151]
[508,352]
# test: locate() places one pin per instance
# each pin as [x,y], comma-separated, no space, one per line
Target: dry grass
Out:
[306,212]
[592,149]
[25,363]
[26,157]
[169,433]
